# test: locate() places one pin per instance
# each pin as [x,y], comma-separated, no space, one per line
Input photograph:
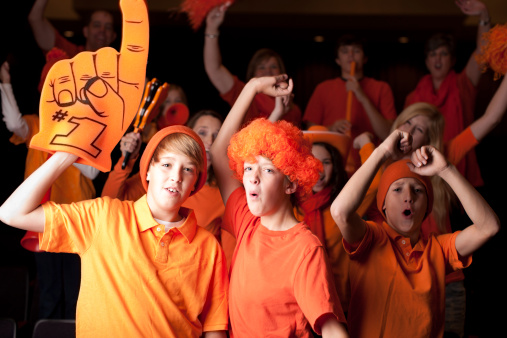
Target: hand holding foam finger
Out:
[89,101]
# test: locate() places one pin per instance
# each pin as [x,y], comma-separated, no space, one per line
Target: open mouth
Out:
[407,212]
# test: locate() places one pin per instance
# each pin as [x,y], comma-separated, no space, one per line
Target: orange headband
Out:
[153,144]
[394,172]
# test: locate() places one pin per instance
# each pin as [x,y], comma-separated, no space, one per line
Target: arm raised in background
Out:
[273,86]
[219,76]
[475,8]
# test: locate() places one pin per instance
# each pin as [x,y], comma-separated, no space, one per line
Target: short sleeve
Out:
[314,288]
[454,260]
[231,96]
[71,227]
[387,108]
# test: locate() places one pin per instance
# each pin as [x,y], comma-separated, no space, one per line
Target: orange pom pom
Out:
[197,10]
[494,52]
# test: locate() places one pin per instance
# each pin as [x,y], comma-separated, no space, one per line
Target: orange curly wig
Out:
[284,145]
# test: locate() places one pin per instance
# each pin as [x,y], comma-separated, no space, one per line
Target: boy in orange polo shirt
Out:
[147,268]
[397,277]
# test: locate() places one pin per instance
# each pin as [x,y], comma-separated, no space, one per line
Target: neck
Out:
[281,220]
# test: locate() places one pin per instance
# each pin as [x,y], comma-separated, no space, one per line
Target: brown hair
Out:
[440,40]
[260,56]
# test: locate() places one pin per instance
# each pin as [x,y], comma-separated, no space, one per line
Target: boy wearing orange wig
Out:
[147,268]
[397,277]
[281,284]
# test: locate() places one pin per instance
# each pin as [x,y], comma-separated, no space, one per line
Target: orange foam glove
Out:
[88,102]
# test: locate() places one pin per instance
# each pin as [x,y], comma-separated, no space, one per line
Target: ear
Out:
[85,31]
[290,187]
[148,176]
[337,60]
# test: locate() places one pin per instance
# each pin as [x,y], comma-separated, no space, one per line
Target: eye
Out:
[202,133]
[189,170]
[247,169]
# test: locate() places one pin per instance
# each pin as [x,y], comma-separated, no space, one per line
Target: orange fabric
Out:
[446,103]
[338,259]
[120,185]
[280,281]
[88,102]
[71,186]
[262,105]
[209,208]
[136,279]
[328,105]
[312,215]
[397,290]
[207,203]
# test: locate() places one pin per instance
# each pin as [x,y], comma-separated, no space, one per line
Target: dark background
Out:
[176,57]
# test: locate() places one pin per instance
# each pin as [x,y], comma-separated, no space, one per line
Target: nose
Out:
[175,175]
[254,177]
[409,197]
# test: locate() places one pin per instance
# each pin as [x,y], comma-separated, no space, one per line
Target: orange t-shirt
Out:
[71,185]
[137,280]
[280,281]
[261,106]
[397,290]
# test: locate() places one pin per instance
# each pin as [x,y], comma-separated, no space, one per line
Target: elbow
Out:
[339,214]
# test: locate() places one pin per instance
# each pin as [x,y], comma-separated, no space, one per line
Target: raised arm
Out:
[273,86]
[485,225]
[475,8]
[343,209]
[493,114]
[10,111]
[42,29]
[219,76]
[22,209]
[381,126]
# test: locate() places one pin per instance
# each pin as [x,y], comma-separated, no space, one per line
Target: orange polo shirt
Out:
[137,280]
[397,290]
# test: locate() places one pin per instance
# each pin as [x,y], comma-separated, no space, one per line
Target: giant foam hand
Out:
[89,101]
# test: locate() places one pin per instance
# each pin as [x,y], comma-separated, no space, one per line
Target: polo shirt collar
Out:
[146,221]
[396,237]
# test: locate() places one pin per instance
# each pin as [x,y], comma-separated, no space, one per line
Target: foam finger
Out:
[83,69]
[59,86]
[106,63]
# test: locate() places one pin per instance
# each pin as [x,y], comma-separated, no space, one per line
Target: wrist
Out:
[211,35]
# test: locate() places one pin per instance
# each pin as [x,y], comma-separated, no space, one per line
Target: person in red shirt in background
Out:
[372,106]
[454,93]
[265,62]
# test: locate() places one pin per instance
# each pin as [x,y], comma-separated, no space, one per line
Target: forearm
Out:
[485,221]
[11,114]
[493,114]
[116,180]
[42,29]
[381,126]
[216,71]
[21,210]
[343,209]
[231,125]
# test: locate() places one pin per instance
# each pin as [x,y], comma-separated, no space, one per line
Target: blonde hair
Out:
[443,194]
